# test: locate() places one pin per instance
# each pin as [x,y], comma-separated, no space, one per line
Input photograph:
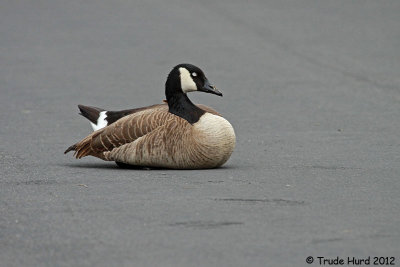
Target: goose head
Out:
[185,78]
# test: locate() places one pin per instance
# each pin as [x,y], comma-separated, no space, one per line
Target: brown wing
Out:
[123,131]
[159,147]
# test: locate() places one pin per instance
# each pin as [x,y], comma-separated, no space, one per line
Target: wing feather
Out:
[125,130]
[132,127]
[157,147]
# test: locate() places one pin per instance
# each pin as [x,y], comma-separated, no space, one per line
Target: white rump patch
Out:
[101,121]
[187,83]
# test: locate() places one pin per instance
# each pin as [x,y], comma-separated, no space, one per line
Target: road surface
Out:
[312,89]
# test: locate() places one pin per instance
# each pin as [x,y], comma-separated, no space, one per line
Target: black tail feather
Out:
[71,148]
[91,113]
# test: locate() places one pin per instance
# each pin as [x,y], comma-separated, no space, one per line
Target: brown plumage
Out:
[177,134]
[151,137]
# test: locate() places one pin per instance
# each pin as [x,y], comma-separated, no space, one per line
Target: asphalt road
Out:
[312,89]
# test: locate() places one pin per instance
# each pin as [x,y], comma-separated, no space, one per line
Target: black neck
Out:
[178,102]
[180,105]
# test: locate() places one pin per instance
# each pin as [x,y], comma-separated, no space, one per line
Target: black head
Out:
[182,79]
[186,78]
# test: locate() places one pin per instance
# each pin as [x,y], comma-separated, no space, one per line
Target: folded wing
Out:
[126,130]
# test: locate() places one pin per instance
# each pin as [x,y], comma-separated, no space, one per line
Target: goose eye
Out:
[194,74]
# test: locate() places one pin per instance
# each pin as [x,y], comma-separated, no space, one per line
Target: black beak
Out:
[208,88]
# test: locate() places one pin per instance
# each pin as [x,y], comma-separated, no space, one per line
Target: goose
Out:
[176,134]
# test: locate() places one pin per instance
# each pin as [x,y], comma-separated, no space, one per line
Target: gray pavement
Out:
[312,89]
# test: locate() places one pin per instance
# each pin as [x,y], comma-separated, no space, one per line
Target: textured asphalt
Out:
[312,89]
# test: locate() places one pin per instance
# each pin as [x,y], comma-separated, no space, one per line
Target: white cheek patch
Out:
[101,121]
[187,83]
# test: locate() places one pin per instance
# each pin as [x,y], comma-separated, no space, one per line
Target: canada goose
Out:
[177,134]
